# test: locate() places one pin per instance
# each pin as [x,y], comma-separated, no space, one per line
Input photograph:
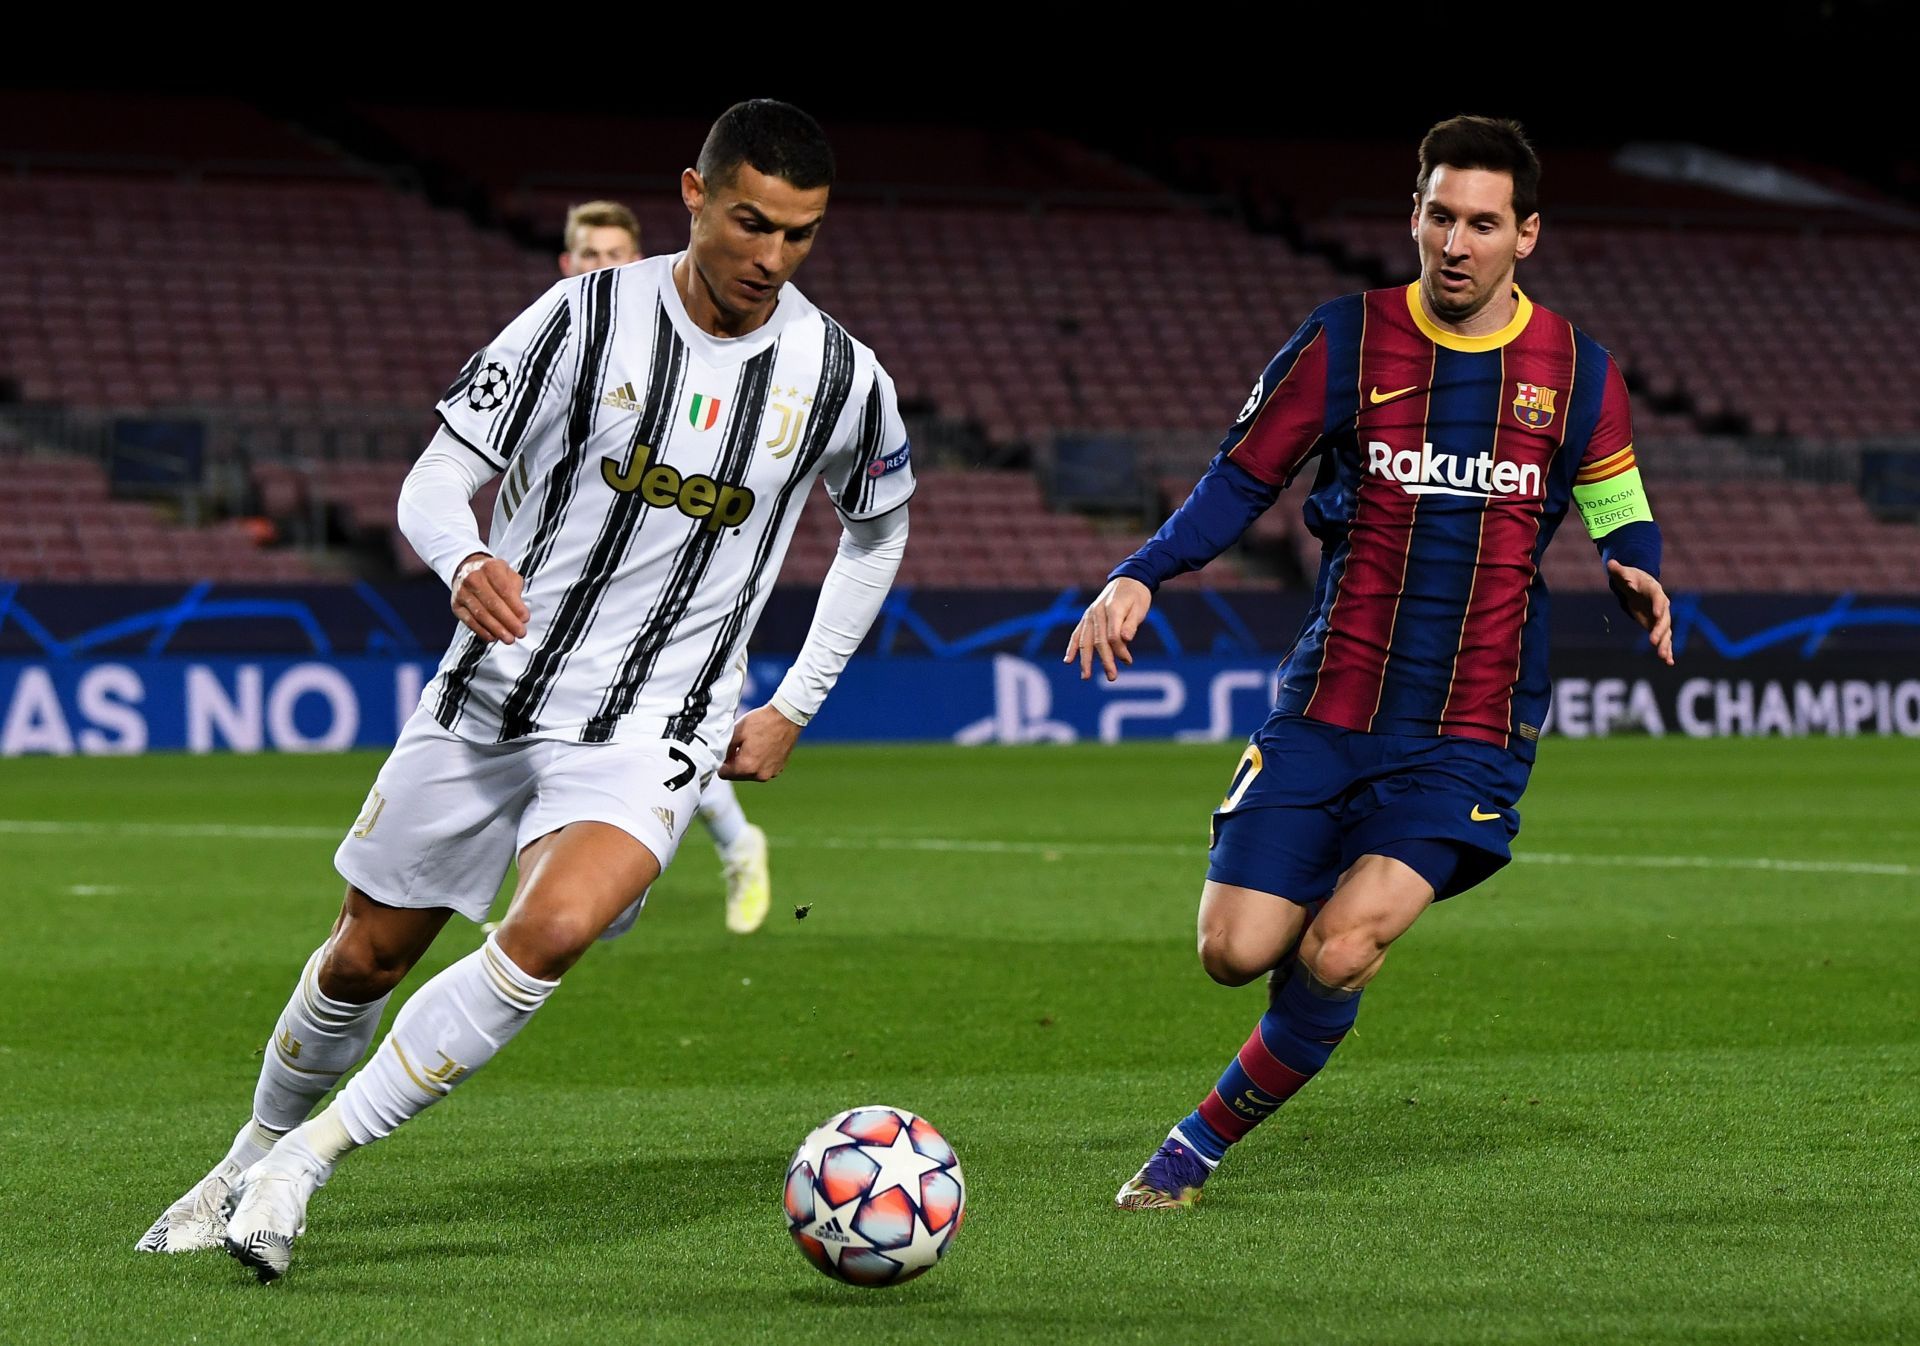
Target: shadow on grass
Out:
[599,1197]
[913,1296]
[1339,1147]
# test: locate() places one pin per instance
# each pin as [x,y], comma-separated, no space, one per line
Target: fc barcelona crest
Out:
[1533,404]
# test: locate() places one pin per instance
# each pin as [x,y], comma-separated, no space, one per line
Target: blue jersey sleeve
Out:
[1223,503]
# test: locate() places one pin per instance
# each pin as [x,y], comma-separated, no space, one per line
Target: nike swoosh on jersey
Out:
[1378,397]
[1480,817]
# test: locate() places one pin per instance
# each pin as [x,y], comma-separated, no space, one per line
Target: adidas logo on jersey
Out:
[665,816]
[621,399]
[699,496]
[830,1231]
[1430,473]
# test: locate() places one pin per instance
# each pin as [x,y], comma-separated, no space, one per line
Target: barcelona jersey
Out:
[1444,464]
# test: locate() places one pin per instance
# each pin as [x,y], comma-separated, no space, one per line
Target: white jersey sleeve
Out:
[511,391]
[433,510]
[871,473]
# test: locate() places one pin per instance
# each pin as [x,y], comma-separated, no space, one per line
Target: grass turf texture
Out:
[1585,1103]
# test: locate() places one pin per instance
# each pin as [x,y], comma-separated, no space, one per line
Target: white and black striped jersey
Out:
[654,474]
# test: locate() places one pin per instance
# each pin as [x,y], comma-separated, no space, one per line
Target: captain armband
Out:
[1613,501]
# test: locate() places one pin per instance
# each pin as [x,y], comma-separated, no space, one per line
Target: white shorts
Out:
[448,815]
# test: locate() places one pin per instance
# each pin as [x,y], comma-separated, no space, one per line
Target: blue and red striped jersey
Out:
[1445,465]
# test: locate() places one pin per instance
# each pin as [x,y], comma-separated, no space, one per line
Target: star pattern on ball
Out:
[926,1247]
[821,1139]
[843,1237]
[900,1166]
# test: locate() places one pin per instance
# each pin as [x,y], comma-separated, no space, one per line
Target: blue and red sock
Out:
[1293,1039]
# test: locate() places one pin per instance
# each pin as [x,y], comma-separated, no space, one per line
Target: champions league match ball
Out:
[874,1196]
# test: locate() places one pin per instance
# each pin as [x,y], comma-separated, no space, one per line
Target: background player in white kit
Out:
[605,233]
[659,426]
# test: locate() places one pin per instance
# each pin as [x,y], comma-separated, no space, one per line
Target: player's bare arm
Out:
[1646,602]
[486,599]
[1109,623]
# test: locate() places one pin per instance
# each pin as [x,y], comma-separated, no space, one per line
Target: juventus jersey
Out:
[653,477]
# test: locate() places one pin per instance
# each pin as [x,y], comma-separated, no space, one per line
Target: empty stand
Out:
[1100,304]
[64,525]
[123,292]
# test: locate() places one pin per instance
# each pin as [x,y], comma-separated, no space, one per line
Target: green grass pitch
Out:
[1640,1088]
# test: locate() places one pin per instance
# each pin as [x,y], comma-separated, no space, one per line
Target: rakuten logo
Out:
[1428,473]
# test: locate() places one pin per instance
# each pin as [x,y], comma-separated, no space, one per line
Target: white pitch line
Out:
[1757,863]
[218,831]
[951,845]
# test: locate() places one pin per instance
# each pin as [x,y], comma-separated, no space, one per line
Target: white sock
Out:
[325,1136]
[316,1041]
[250,1146]
[720,810]
[1175,1134]
[447,1030]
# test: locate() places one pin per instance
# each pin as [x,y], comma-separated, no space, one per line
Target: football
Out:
[874,1196]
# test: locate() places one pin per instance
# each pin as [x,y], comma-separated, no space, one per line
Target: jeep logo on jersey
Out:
[1430,473]
[698,496]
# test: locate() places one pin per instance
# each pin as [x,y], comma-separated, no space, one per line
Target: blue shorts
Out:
[1308,799]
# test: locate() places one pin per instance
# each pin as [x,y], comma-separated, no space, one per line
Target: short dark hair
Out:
[774,138]
[1497,144]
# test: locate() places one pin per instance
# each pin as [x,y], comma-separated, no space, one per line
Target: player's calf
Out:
[1305,1020]
[446,1031]
[316,1040]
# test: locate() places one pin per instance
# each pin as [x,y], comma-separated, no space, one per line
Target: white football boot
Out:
[198,1220]
[749,885]
[268,1208]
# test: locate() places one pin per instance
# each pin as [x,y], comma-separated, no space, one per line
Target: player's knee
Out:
[545,944]
[357,970]
[1230,960]
[1342,958]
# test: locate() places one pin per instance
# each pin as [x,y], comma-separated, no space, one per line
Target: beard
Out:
[1454,309]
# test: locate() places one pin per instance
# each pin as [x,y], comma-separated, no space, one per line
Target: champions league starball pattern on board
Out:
[874,1196]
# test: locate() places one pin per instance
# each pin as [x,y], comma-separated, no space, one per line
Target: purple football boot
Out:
[1170,1180]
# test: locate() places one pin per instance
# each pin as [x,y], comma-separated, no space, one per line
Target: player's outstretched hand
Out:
[1110,621]
[1647,601]
[486,598]
[763,739]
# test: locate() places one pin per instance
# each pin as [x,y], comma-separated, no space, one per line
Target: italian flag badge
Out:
[703,411]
